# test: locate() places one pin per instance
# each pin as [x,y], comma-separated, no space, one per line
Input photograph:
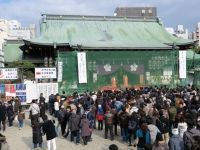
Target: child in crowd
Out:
[21,117]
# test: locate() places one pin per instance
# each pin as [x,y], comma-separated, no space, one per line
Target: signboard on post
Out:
[8,73]
[45,73]
[182,64]
[82,68]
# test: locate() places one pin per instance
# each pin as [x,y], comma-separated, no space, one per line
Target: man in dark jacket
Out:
[37,134]
[2,116]
[48,128]
[42,106]
[123,120]
[74,126]
[109,125]
[191,137]
[52,100]
[163,125]
[10,113]
[17,105]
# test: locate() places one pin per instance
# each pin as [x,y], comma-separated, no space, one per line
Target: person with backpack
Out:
[100,117]
[91,117]
[132,126]
[191,137]
[74,125]
[109,124]
[143,137]
[61,121]
[34,110]
[153,129]
[163,125]
[124,120]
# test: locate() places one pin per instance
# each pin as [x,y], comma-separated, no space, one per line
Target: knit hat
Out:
[175,131]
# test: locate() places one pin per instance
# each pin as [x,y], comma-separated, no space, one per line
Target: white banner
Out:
[8,73]
[45,73]
[82,68]
[33,90]
[182,64]
[47,89]
[60,71]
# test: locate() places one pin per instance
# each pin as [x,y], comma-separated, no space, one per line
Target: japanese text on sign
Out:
[45,73]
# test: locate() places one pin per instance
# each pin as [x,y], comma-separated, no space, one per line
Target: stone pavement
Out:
[22,140]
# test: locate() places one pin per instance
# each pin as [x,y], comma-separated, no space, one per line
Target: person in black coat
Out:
[37,135]
[48,128]
[2,116]
[74,127]
[10,113]
[42,106]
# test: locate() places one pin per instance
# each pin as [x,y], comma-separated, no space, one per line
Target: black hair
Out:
[45,117]
[113,147]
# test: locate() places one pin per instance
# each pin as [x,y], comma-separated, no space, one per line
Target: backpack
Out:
[61,116]
[193,141]
[162,125]
[90,117]
[109,120]
[132,124]
[123,119]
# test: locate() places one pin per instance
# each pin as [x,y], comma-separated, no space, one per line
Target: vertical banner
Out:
[82,68]
[31,91]
[10,91]
[60,71]
[21,92]
[182,64]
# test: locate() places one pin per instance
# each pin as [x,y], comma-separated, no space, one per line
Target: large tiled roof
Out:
[99,32]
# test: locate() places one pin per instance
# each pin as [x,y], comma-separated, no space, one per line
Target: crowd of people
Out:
[157,118]
[9,111]
[147,118]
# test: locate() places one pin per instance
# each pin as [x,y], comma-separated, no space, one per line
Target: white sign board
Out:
[82,68]
[182,64]
[31,91]
[45,73]
[60,71]
[8,73]
[34,89]
[47,89]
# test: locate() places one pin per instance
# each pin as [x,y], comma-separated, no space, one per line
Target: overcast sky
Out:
[172,12]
